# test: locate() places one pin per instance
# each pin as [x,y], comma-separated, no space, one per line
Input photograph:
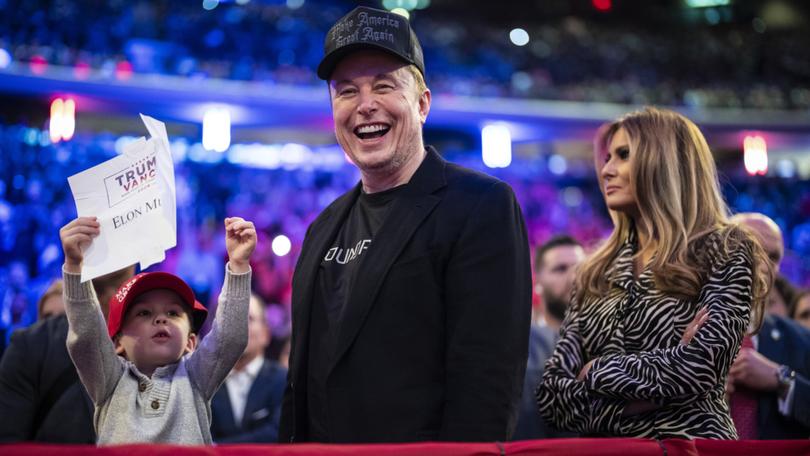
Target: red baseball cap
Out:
[148,281]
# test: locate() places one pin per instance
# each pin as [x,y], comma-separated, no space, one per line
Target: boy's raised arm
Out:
[88,344]
[222,347]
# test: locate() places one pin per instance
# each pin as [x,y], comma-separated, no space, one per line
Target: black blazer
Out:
[31,371]
[784,341]
[434,337]
[262,410]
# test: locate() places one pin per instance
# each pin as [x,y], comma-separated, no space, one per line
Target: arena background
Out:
[538,76]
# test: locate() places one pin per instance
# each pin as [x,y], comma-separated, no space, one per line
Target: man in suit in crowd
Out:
[412,294]
[41,397]
[776,370]
[247,407]
[51,302]
[555,263]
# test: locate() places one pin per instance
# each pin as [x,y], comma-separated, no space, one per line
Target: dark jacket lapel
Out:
[768,341]
[320,234]
[406,214]
[769,347]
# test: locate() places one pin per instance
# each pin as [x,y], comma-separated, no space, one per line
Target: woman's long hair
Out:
[674,180]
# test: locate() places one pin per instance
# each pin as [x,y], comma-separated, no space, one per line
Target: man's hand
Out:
[76,236]
[696,323]
[754,371]
[240,241]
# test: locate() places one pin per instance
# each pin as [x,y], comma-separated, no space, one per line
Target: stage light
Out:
[281,245]
[81,70]
[706,3]
[122,142]
[38,64]
[69,119]
[62,123]
[496,146]
[208,5]
[123,70]
[572,196]
[216,129]
[5,58]
[31,136]
[55,123]
[519,37]
[602,5]
[295,4]
[294,155]
[522,81]
[755,155]
[786,168]
[557,165]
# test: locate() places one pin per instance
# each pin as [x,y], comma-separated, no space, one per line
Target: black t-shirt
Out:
[336,277]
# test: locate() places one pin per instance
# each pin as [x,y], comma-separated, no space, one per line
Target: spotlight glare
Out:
[557,165]
[55,123]
[62,123]
[5,58]
[496,146]
[281,245]
[519,37]
[755,155]
[216,129]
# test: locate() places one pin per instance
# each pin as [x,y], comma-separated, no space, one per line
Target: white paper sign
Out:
[133,197]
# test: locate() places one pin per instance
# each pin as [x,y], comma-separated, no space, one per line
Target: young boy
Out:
[143,369]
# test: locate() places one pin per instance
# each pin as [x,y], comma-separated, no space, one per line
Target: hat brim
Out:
[331,60]
[163,280]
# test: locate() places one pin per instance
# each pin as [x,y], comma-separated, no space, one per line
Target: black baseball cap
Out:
[369,28]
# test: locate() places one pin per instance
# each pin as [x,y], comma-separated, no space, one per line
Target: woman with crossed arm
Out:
[660,309]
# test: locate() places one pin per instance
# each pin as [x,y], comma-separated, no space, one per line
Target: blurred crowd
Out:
[572,59]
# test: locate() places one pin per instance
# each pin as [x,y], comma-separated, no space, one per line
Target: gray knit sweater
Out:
[174,406]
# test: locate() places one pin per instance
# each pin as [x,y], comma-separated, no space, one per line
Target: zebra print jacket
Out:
[633,334]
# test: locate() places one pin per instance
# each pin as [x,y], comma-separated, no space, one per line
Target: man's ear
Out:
[191,343]
[424,105]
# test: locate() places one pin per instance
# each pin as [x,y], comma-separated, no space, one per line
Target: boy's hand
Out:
[76,236]
[240,240]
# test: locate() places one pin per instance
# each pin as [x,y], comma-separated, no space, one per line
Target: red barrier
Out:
[585,447]
[753,447]
[553,447]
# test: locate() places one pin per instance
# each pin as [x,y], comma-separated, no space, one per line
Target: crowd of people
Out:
[570,58]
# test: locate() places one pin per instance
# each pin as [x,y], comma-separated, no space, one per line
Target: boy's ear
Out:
[191,343]
[119,349]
